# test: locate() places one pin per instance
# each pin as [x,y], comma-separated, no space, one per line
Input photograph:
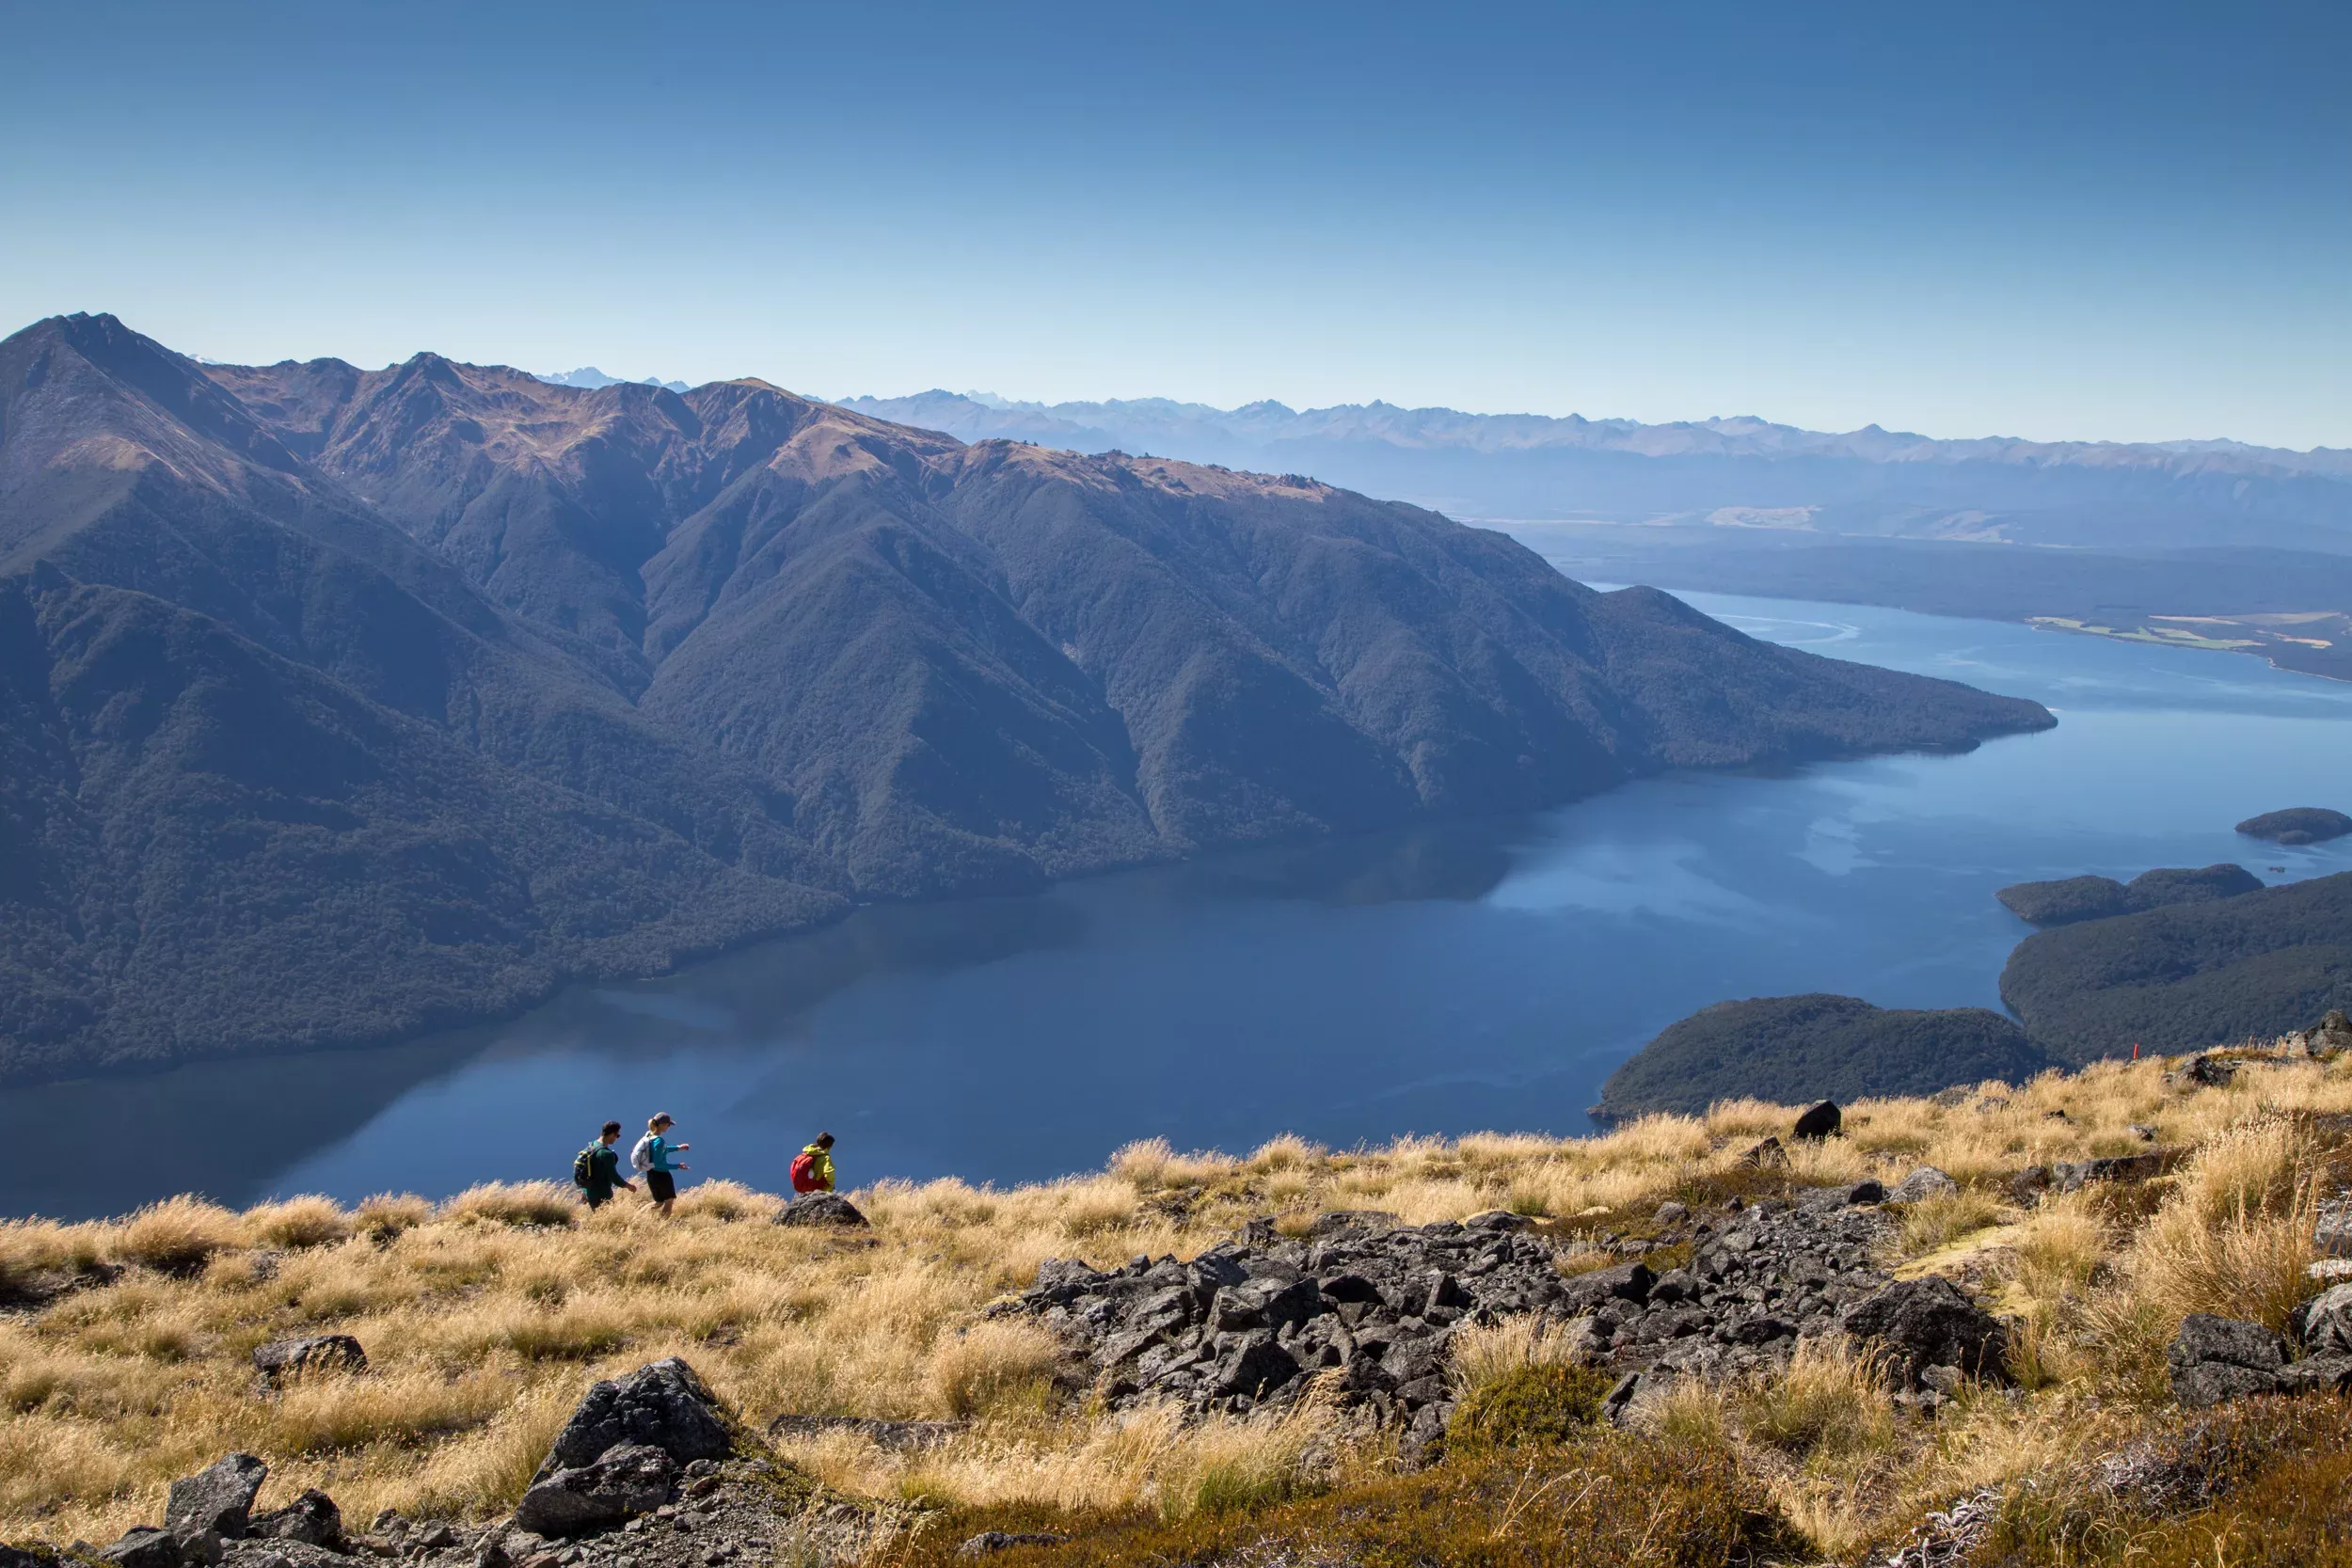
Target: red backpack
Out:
[805,1172]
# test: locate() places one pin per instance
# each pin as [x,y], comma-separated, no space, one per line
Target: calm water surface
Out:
[1442,980]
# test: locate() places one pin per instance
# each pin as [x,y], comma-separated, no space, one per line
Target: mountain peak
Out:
[587,379]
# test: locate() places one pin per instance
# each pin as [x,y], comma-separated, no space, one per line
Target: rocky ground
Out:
[1367,1308]
[650,1471]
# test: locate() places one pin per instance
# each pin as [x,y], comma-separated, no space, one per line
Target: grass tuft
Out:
[176,1235]
[307,1221]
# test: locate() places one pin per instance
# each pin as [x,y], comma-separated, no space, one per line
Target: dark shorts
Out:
[596,1199]
[660,1187]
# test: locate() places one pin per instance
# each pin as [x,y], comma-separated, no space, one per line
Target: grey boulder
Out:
[1921,1185]
[282,1359]
[2317,1374]
[218,1497]
[823,1209]
[2324,1322]
[1629,1282]
[2205,1384]
[144,1547]
[2204,1337]
[1255,1364]
[629,1479]
[1927,1323]
[2214,1359]
[662,1405]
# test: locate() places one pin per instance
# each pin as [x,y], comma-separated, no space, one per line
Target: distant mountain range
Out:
[337,704]
[1725,473]
[2199,544]
[588,379]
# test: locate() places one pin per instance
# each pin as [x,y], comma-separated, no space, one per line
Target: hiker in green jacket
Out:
[597,1170]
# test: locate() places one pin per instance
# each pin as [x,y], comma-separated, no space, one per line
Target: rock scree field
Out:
[2083,1319]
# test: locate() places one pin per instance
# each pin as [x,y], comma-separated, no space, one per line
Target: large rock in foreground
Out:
[662,1405]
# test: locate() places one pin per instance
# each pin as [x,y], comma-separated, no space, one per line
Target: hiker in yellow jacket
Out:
[813,1171]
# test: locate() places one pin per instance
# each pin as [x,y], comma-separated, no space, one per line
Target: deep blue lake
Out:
[1442,979]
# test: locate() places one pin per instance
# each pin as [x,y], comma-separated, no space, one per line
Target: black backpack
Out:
[583,1165]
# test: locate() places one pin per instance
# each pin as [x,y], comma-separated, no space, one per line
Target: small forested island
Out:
[2298,825]
[1802,1048]
[2068,899]
[2186,975]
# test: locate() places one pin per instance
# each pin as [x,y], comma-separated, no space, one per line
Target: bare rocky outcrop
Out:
[1374,1311]
[651,1471]
[1251,1323]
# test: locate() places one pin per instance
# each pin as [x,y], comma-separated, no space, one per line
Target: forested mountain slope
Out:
[351,701]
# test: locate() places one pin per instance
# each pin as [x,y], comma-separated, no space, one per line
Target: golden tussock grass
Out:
[1936,1222]
[1831,1402]
[485,1316]
[1486,1353]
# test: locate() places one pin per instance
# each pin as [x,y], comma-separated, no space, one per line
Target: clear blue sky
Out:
[2128,221]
